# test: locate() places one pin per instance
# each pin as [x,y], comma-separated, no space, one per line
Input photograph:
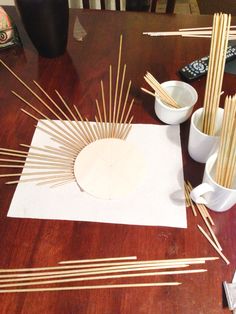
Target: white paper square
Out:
[158,201]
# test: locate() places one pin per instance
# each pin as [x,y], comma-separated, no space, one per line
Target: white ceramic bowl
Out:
[184,94]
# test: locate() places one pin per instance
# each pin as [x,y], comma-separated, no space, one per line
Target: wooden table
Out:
[32,242]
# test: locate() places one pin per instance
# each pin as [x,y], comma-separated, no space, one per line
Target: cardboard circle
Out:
[109,168]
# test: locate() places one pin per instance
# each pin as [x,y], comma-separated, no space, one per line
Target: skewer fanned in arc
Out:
[71,133]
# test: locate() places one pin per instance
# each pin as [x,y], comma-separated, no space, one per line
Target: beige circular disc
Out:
[109,168]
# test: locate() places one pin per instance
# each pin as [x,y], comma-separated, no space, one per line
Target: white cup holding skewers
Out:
[183,94]
[200,145]
[212,194]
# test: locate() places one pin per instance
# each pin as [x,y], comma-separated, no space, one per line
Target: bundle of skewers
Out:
[202,32]
[219,41]
[25,279]
[226,158]
[54,165]
[159,91]
[207,219]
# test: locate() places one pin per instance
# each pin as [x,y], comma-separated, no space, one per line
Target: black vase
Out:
[46,22]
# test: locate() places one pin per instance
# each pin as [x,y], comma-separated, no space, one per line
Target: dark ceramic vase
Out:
[46,22]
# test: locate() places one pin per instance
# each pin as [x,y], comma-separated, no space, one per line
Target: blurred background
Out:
[181,6]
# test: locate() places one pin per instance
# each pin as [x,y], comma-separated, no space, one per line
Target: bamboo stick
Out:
[161,262]
[117,81]
[61,135]
[92,260]
[55,177]
[148,91]
[110,101]
[52,150]
[70,132]
[146,274]
[188,190]
[220,35]
[93,271]
[209,227]
[214,246]
[154,284]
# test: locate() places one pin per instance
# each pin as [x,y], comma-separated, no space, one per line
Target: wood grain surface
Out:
[77,75]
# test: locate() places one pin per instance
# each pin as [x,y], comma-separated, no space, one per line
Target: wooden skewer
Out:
[59,139]
[24,154]
[42,101]
[80,130]
[69,132]
[90,134]
[92,271]
[201,28]
[124,109]
[209,227]
[76,125]
[79,277]
[90,129]
[56,177]
[210,74]
[83,126]
[100,125]
[187,202]
[189,33]
[222,56]
[196,260]
[126,129]
[38,166]
[62,182]
[148,91]
[61,135]
[154,284]
[206,113]
[206,213]
[36,156]
[226,156]
[201,32]
[116,124]
[92,260]
[44,282]
[56,180]
[159,90]
[203,207]
[45,104]
[39,173]
[110,101]
[104,109]
[120,96]
[220,33]
[35,162]
[70,125]
[231,169]
[213,244]
[98,128]
[52,150]
[117,82]
[188,190]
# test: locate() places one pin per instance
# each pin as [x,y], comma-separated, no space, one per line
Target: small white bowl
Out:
[184,94]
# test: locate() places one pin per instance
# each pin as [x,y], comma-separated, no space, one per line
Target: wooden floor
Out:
[181,7]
